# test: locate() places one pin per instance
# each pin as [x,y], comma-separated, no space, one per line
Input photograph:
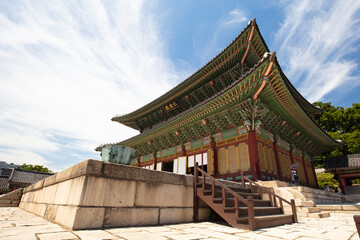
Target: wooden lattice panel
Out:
[272,161]
[233,159]
[261,157]
[285,163]
[210,161]
[222,161]
[267,158]
[244,157]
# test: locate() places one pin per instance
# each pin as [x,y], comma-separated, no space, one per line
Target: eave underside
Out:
[233,106]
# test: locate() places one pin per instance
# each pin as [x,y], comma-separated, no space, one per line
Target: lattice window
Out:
[285,163]
[262,157]
[222,163]
[233,159]
[244,157]
[210,159]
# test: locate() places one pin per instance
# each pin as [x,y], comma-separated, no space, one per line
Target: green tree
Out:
[37,168]
[342,124]
[327,178]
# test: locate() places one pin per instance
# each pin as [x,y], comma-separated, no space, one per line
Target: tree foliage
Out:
[340,123]
[37,168]
[327,178]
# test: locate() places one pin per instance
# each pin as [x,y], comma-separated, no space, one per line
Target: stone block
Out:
[65,215]
[62,192]
[120,193]
[175,215]
[39,209]
[76,190]
[89,218]
[49,194]
[330,207]
[163,195]
[37,196]
[346,207]
[122,217]
[139,174]
[50,212]
[94,191]
[38,185]
[50,181]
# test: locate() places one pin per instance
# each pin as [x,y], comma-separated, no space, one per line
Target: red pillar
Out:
[213,147]
[254,155]
[277,160]
[139,162]
[291,156]
[155,161]
[304,167]
[313,169]
[343,184]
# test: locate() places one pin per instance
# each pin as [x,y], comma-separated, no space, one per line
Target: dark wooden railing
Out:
[272,196]
[249,202]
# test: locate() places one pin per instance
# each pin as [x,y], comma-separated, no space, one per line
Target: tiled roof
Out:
[7,165]
[4,184]
[342,162]
[24,176]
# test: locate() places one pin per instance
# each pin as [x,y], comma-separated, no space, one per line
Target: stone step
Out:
[304,209]
[319,215]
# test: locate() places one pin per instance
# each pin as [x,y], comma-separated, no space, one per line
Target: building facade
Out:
[238,113]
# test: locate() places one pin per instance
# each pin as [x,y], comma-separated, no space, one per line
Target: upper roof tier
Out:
[246,50]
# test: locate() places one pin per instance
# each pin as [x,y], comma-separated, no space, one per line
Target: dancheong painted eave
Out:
[277,94]
[249,42]
[221,63]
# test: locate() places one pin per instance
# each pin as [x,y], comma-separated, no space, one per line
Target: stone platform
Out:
[16,224]
[94,194]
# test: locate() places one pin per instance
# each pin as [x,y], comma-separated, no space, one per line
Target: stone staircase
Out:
[307,209]
[242,205]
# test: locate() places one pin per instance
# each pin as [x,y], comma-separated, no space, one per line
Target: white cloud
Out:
[313,43]
[235,17]
[67,67]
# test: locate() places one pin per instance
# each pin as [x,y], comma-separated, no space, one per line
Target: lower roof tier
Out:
[262,96]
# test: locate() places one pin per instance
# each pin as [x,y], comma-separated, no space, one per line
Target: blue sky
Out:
[68,67]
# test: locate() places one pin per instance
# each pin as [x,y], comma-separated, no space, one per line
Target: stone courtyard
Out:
[16,224]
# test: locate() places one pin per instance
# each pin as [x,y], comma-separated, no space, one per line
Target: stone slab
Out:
[116,217]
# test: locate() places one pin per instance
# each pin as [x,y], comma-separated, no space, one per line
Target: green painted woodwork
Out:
[229,133]
[222,95]
[197,143]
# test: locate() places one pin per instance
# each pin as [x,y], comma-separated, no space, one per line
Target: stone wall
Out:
[301,193]
[94,194]
[11,199]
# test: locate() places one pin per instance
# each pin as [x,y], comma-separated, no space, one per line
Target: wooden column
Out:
[155,161]
[277,160]
[254,155]
[139,162]
[291,156]
[213,147]
[315,178]
[304,167]
[343,184]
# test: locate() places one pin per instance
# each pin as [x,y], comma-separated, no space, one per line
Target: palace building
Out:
[238,113]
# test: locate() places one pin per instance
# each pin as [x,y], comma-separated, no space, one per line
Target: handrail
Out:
[249,201]
[261,188]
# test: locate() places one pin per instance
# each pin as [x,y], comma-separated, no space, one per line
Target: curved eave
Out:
[197,112]
[311,109]
[279,92]
[131,118]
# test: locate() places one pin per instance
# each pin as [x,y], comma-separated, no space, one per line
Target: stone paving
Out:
[18,224]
